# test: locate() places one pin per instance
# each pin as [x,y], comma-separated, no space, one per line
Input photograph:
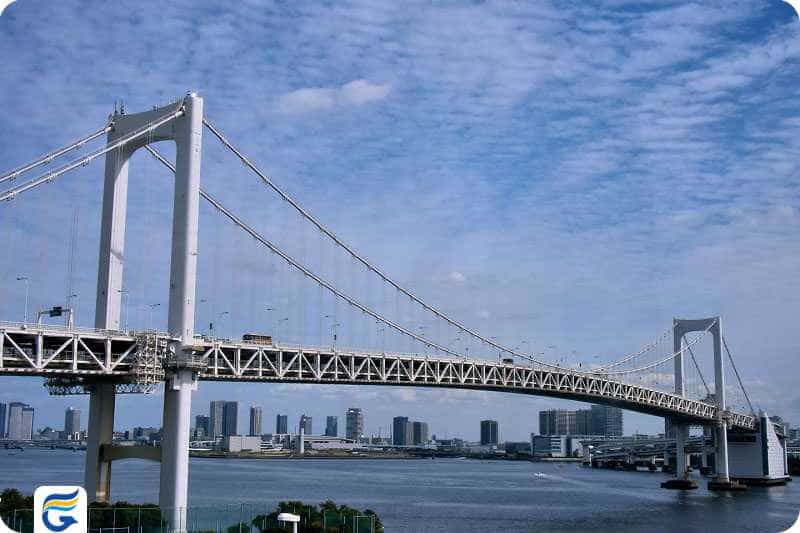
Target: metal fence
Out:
[239,518]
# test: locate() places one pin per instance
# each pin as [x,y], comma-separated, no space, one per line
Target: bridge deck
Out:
[82,356]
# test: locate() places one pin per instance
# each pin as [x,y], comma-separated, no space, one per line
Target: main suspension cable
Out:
[286,257]
[664,360]
[385,277]
[10,194]
[643,351]
[48,157]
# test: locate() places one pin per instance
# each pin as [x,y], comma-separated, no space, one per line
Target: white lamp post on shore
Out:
[289,517]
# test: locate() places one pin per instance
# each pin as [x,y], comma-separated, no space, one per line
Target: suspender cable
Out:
[50,176]
[267,181]
[691,352]
[738,377]
[48,157]
[305,271]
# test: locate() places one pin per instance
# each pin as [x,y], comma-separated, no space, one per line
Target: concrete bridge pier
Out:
[97,472]
[681,481]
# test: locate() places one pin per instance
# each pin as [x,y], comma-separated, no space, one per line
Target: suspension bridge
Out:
[662,379]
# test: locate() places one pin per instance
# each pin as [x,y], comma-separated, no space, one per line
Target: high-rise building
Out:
[354,424]
[419,432]
[231,419]
[583,422]
[606,420]
[72,423]
[202,425]
[282,424]
[3,410]
[255,422]
[223,419]
[332,426]
[305,424]
[402,431]
[27,423]
[20,421]
[558,422]
[216,418]
[489,432]
[599,420]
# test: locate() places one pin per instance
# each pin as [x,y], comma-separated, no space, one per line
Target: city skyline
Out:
[380,427]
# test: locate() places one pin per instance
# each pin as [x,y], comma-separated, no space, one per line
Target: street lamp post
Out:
[71,310]
[334,330]
[27,281]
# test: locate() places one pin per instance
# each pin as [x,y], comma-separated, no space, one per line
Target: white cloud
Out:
[361,92]
[456,277]
[305,100]
[355,93]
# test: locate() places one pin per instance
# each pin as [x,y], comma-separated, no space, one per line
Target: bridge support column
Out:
[174,486]
[681,480]
[97,473]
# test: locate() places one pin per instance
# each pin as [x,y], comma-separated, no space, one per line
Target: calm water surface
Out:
[448,495]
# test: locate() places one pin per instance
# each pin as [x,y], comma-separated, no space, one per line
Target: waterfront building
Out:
[551,445]
[201,427]
[559,422]
[216,416]
[146,434]
[489,433]
[354,422]
[583,422]
[606,420]
[306,424]
[3,411]
[518,448]
[255,422]
[282,424]
[239,443]
[419,433]
[599,420]
[20,421]
[401,431]
[332,426]
[72,424]
[319,442]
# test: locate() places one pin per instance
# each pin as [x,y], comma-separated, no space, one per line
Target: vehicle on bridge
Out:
[256,338]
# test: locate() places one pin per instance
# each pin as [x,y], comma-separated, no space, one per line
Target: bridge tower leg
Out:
[721,479]
[181,378]
[97,474]
[681,430]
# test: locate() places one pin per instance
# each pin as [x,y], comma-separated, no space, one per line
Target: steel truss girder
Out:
[110,355]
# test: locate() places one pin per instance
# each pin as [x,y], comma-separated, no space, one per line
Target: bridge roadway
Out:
[74,358]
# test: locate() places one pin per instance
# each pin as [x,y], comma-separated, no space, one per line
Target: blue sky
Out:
[569,174]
